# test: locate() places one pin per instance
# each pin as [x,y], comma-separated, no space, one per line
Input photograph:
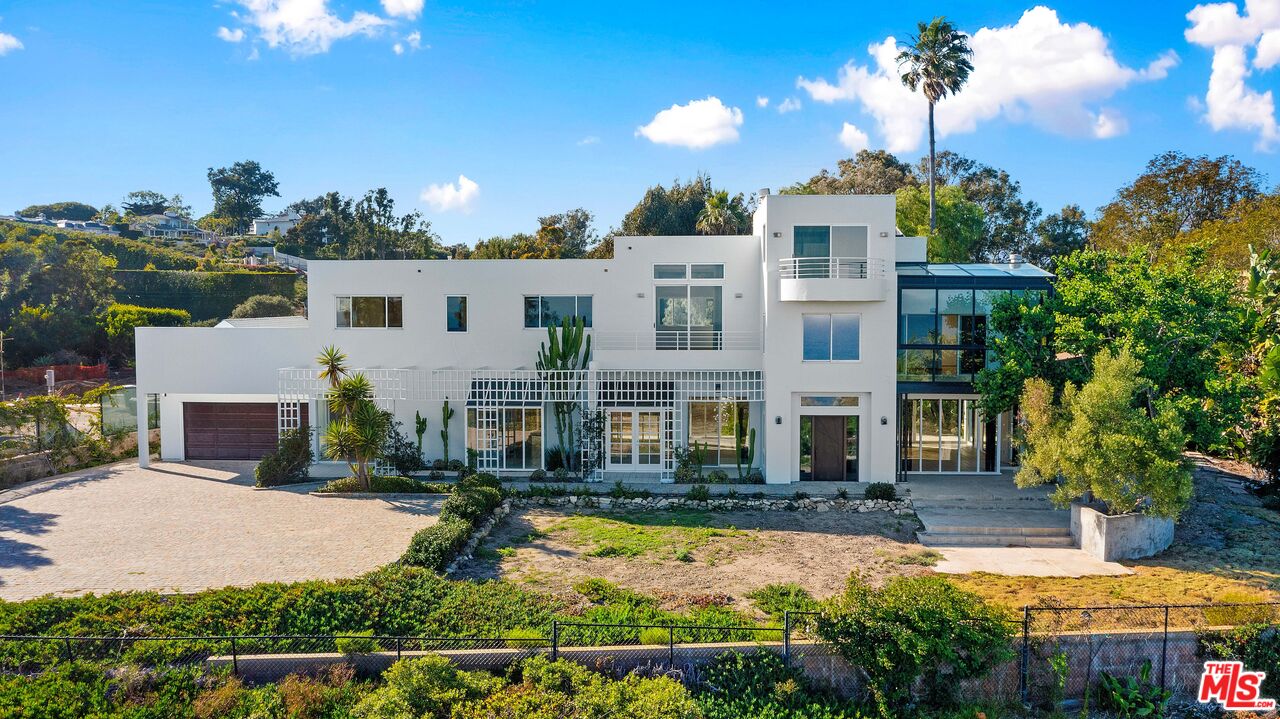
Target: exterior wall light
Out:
[777,420]
[884,420]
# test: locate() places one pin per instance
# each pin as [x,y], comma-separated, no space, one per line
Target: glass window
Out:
[713,425]
[817,338]
[344,311]
[918,317]
[370,312]
[949,367]
[519,440]
[849,241]
[828,401]
[532,313]
[706,272]
[671,307]
[551,310]
[953,307]
[812,241]
[668,272]
[915,365]
[584,309]
[845,337]
[555,309]
[395,312]
[456,314]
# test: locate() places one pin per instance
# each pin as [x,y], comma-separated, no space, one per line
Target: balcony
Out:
[683,339]
[833,279]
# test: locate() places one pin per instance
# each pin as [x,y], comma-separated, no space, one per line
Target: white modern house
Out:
[283,221]
[824,331]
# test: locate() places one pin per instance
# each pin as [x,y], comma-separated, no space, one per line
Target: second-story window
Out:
[832,338]
[370,311]
[456,313]
[551,310]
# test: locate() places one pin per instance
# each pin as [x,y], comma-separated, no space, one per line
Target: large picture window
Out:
[832,338]
[551,310]
[712,425]
[519,434]
[370,311]
[688,316]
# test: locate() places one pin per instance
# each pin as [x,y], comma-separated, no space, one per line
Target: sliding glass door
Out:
[947,435]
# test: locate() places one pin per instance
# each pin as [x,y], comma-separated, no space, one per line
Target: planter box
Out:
[1122,536]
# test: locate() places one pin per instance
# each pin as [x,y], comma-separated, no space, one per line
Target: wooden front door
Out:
[828,448]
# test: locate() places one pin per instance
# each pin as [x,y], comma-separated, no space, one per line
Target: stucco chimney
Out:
[763,192]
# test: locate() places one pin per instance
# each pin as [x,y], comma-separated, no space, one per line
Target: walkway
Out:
[186,527]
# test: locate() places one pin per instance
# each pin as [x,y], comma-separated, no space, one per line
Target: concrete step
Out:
[960,539]
[1030,531]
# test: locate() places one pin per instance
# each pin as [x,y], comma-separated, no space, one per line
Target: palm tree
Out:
[358,438]
[333,364]
[937,63]
[718,216]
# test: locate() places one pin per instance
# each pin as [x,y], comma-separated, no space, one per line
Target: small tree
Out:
[264,306]
[914,629]
[359,429]
[1105,440]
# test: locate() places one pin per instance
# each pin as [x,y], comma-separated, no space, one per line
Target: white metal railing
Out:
[670,339]
[851,268]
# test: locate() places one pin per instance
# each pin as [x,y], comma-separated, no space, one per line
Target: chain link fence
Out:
[1060,653]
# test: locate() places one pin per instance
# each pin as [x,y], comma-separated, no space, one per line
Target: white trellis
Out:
[488,392]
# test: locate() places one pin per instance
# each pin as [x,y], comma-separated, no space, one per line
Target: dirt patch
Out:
[677,554]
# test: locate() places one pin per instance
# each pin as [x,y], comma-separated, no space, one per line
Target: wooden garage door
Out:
[230,430]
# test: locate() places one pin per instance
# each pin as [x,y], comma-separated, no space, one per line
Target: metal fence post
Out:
[1024,683]
[398,641]
[67,645]
[1164,646]
[235,660]
[671,646]
[786,638]
[555,640]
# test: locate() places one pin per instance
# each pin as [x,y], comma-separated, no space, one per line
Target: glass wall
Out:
[519,434]
[712,425]
[943,333]
[947,435]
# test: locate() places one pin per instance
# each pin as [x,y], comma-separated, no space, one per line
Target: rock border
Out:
[478,535]
[721,503]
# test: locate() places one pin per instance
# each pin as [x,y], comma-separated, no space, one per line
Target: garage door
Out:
[230,430]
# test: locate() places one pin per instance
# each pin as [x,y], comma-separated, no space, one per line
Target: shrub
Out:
[914,629]
[383,484]
[290,461]
[688,464]
[401,451]
[482,479]
[758,685]
[470,504]
[776,599]
[562,475]
[205,295]
[698,493]
[1129,697]
[435,475]
[655,635]
[439,465]
[265,306]
[880,490]
[357,643]
[119,322]
[426,687]
[1256,645]
[755,476]
[526,638]
[538,475]
[717,476]
[435,546]
[548,690]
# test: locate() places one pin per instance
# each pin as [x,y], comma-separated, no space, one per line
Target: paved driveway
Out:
[183,527]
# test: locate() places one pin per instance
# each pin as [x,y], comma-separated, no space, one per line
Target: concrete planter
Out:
[1122,536]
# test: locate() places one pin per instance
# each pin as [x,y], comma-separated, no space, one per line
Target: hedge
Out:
[206,295]
[119,322]
[437,545]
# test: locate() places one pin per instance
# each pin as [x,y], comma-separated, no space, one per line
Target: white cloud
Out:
[397,49]
[589,140]
[1039,70]
[697,125]
[414,39]
[403,8]
[1229,102]
[230,35]
[762,101]
[9,43]
[853,139]
[305,27]
[450,196]
[791,104]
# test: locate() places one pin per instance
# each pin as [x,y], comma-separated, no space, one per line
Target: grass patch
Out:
[777,599]
[918,558]
[654,535]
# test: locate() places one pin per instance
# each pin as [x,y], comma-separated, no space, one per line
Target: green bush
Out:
[428,687]
[470,504]
[655,635]
[880,490]
[1256,645]
[384,484]
[776,599]
[915,629]
[119,322]
[435,546]
[538,475]
[265,306]
[289,462]
[1132,697]
[401,451]
[206,295]
[481,479]
[552,690]
[717,476]
[357,643]
[758,685]
[698,493]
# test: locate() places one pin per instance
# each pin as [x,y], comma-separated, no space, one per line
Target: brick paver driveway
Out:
[185,527]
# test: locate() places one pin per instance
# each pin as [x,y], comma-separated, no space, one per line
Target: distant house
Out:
[86,226]
[169,226]
[283,222]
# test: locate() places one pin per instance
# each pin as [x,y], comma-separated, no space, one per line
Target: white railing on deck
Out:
[690,339]
[814,268]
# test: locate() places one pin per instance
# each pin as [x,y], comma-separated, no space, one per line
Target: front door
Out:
[829,448]
[635,440]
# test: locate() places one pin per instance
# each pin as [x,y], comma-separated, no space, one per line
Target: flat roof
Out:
[954,269]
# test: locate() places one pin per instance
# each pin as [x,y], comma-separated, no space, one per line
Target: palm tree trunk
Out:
[933,210]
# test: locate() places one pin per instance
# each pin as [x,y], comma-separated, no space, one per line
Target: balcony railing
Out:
[684,339]
[821,268]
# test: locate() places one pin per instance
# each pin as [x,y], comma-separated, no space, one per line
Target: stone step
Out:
[949,539]
[1030,531]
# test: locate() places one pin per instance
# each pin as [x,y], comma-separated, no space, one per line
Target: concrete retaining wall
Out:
[1123,536]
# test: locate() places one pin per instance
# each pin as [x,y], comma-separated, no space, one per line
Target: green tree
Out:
[1251,225]
[1008,220]
[265,306]
[238,192]
[870,172]
[958,233]
[119,322]
[141,203]
[1106,441]
[1020,333]
[1175,194]
[77,211]
[579,234]
[1061,233]
[937,62]
[675,210]
[359,429]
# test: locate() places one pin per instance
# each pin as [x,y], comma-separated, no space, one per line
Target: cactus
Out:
[740,432]
[419,428]
[698,453]
[559,358]
[446,414]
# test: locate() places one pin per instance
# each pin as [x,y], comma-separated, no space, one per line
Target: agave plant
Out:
[358,438]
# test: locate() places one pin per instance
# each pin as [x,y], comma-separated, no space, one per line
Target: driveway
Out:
[183,527]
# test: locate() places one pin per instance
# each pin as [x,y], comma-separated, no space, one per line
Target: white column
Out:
[144,432]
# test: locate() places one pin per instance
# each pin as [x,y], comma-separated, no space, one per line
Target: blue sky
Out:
[540,105]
